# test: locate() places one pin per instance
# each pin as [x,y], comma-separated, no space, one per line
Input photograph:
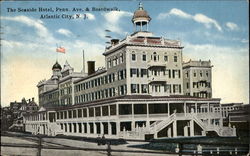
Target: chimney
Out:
[29,100]
[114,42]
[33,99]
[83,62]
[91,67]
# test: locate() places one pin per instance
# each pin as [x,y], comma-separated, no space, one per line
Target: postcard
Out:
[125,77]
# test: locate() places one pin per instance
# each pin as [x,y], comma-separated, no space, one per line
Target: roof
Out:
[91,75]
[144,41]
[67,67]
[140,14]
[56,66]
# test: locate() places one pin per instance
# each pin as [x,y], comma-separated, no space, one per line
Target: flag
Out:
[60,50]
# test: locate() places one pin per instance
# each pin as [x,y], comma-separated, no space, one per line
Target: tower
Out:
[141,19]
[56,71]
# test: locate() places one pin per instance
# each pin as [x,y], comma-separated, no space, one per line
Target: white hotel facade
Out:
[145,91]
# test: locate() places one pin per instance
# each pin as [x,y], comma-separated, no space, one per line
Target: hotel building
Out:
[141,93]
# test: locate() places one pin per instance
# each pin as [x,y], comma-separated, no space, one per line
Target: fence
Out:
[177,147]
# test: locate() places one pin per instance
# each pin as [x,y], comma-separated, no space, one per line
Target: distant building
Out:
[197,78]
[15,106]
[240,118]
[19,109]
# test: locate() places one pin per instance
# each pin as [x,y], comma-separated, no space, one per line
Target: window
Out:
[144,57]
[175,59]
[187,75]
[109,63]
[195,84]
[121,75]
[121,90]
[207,74]
[176,88]
[143,72]
[133,57]
[165,58]
[144,88]
[155,56]
[194,74]
[176,73]
[167,88]
[121,58]
[187,85]
[132,72]
[135,88]
[200,74]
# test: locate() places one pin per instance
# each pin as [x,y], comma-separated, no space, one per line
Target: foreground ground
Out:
[68,147]
[23,144]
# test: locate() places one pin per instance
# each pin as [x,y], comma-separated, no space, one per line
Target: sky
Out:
[208,30]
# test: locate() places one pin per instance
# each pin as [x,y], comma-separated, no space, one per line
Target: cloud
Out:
[113,19]
[244,41]
[232,26]
[65,32]
[200,18]
[207,21]
[114,16]
[179,13]
[37,24]
[90,16]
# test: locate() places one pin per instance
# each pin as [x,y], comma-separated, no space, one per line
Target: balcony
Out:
[157,79]
[156,64]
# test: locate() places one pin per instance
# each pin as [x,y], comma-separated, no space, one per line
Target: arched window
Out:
[155,56]
[121,58]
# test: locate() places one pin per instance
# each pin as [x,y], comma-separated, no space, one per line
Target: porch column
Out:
[186,131]
[175,128]
[191,127]
[101,110]
[185,108]
[110,128]
[195,107]
[77,127]
[94,126]
[169,131]
[109,110]
[102,128]
[133,118]
[83,128]
[117,127]
[88,128]
[147,122]
[117,109]
[168,109]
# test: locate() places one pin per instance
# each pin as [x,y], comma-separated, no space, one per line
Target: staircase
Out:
[54,129]
[220,130]
[159,125]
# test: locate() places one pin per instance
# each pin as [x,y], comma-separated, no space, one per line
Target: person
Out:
[98,140]
[103,140]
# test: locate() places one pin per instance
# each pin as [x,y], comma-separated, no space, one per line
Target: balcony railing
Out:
[156,64]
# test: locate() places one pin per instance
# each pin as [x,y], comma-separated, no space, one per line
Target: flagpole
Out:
[56,53]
